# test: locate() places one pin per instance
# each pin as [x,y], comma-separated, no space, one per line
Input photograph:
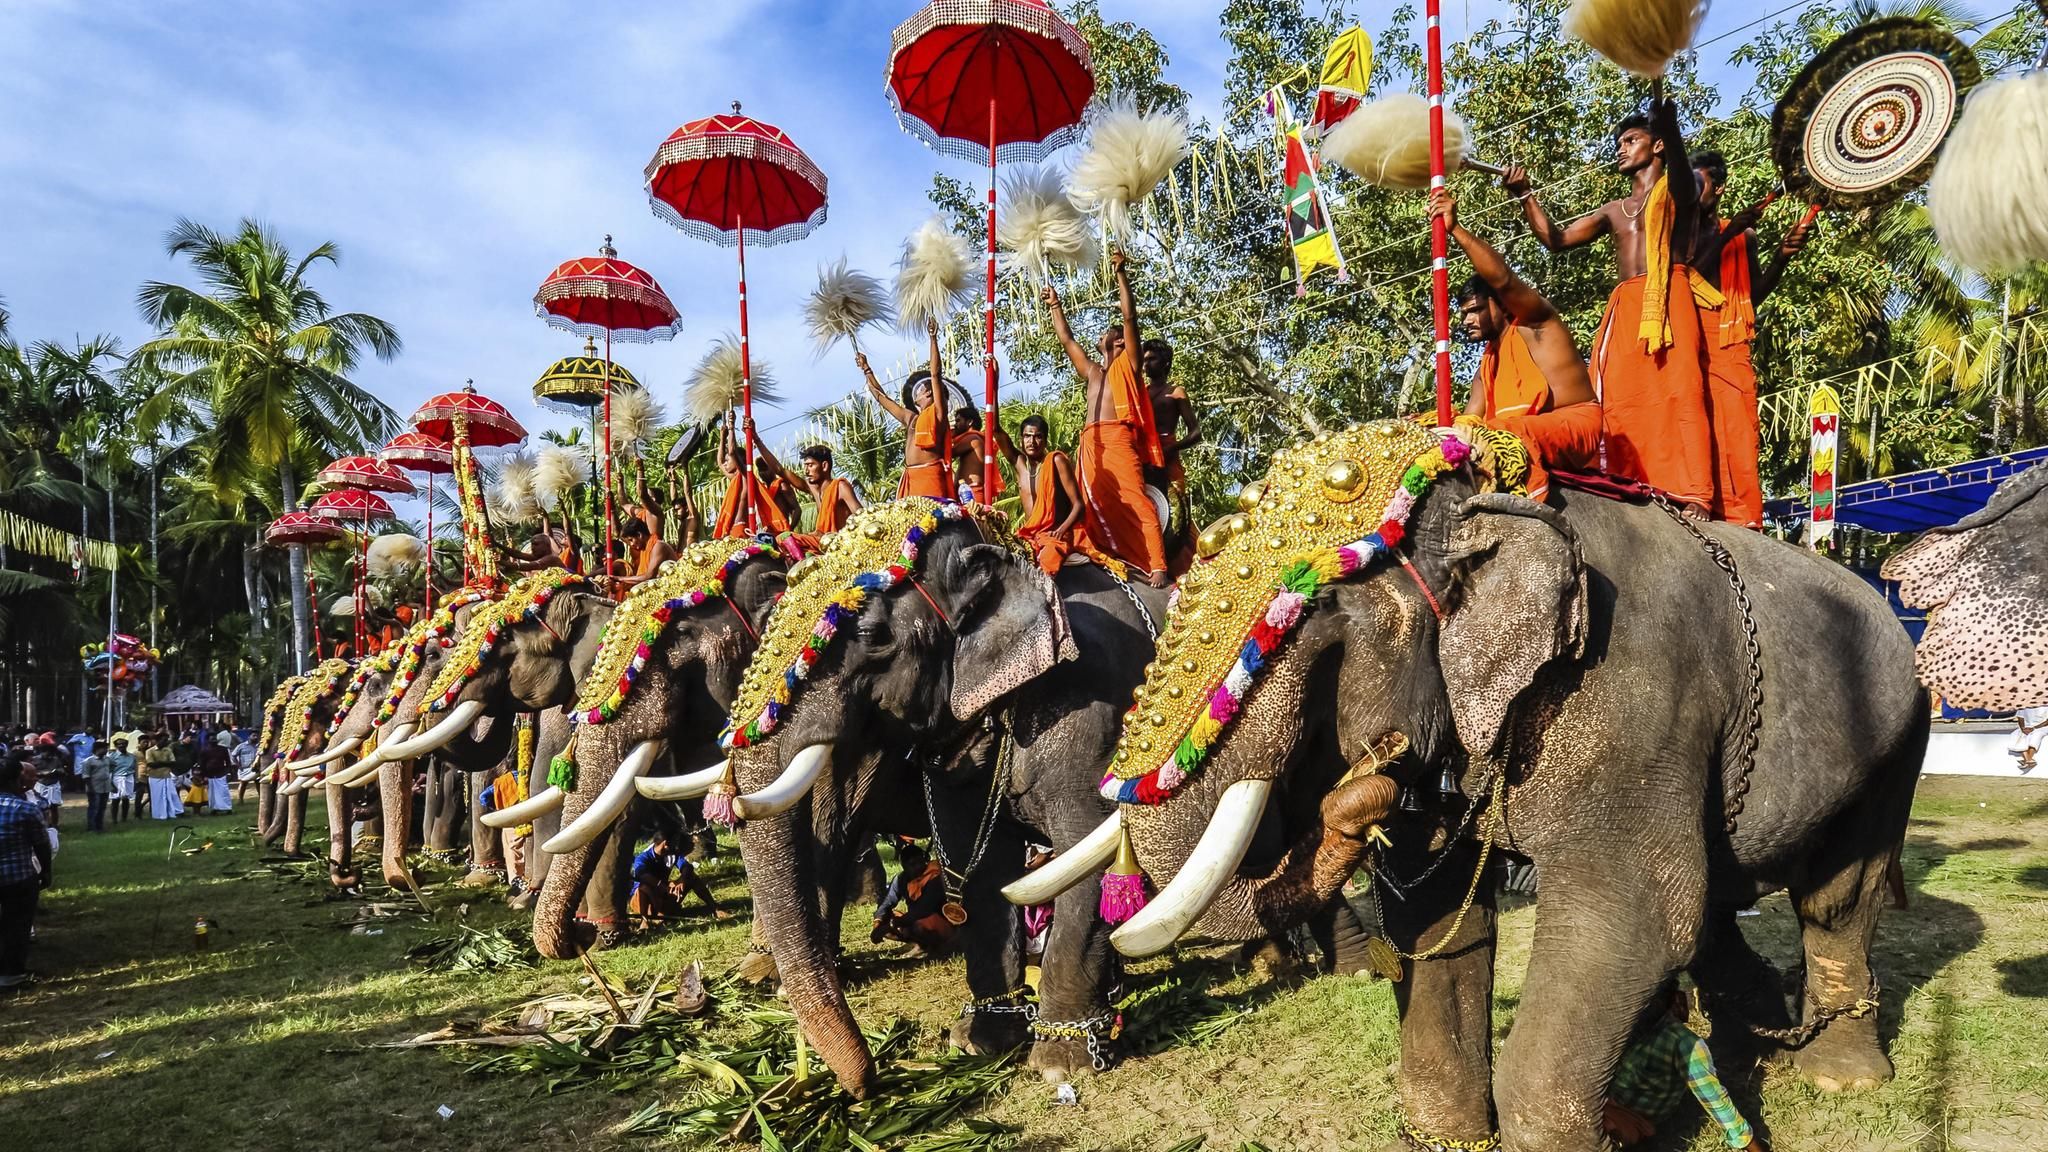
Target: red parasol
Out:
[994,80]
[730,179]
[367,473]
[419,452]
[301,528]
[487,423]
[605,294]
[352,504]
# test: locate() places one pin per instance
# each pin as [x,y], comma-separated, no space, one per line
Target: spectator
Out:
[24,867]
[213,765]
[79,743]
[1664,1061]
[53,763]
[920,888]
[160,766]
[123,760]
[244,759]
[99,784]
[660,877]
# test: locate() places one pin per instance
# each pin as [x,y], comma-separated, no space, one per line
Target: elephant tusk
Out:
[309,764]
[793,785]
[610,803]
[1209,867]
[293,786]
[526,811]
[360,772]
[688,786]
[450,726]
[1091,855]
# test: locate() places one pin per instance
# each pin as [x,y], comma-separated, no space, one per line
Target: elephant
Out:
[270,821]
[679,692]
[1984,584]
[306,714]
[977,694]
[1569,681]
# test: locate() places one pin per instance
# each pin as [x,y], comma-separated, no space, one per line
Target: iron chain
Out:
[1089,1031]
[985,830]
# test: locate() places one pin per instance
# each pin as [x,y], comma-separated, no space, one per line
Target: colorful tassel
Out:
[1123,886]
[718,807]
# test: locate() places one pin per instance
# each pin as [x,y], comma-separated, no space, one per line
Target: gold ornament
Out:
[1248,496]
[1381,958]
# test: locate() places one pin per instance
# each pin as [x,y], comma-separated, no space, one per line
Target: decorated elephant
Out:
[1984,584]
[656,674]
[924,670]
[305,717]
[1672,719]
[270,817]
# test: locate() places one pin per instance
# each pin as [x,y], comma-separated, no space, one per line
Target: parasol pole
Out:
[362,630]
[427,599]
[607,475]
[1439,237]
[746,477]
[988,359]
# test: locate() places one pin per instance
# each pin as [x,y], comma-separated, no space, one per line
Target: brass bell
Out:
[1410,802]
[1448,782]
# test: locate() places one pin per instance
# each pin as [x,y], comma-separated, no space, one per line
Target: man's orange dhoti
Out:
[1037,531]
[1516,396]
[1654,403]
[933,478]
[1731,392]
[1120,515]
[732,519]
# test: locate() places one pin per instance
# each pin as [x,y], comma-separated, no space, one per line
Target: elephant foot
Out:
[758,966]
[1063,1059]
[523,900]
[986,1032]
[344,880]
[398,878]
[1846,1062]
[483,877]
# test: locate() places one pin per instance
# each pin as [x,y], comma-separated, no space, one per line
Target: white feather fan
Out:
[844,302]
[1129,153]
[714,386]
[1639,36]
[1387,141]
[512,496]
[931,280]
[1989,193]
[394,552]
[556,473]
[636,417]
[1039,228]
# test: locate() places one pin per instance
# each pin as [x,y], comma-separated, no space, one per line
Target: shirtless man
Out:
[1531,381]
[833,495]
[651,550]
[968,462]
[770,507]
[1047,490]
[1121,439]
[1649,367]
[928,452]
[1173,411]
[1726,255]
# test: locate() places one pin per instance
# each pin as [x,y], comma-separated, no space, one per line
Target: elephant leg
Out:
[341,866]
[611,878]
[1445,1003]
[758,965]
[1612,925]
[1739,989]
[294,822]
[873,879]
[486,861]
[992,940]
[437,831]
[1838,913]
[394,781]
[1340,936]
[266,804]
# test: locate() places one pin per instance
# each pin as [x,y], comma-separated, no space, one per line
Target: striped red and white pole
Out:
[744,479]
[1439,237]
[988,428]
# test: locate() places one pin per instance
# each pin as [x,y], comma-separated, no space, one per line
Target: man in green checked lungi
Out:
[1664,1061]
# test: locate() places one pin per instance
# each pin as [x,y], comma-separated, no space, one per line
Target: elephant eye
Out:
[874,631]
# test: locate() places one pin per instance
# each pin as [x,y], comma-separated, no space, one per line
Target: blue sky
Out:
[458,151]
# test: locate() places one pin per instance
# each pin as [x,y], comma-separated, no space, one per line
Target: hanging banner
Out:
[1824,416]
[22,534]
[1302,208]
[1347,71]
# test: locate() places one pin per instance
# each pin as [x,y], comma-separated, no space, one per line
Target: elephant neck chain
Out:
[984,832]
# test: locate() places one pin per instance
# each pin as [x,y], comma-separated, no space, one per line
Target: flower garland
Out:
[681,586]
[841,604]
[415,643]
[298,714]
[382,662]
[1299,581]
[273,709]
[525,600]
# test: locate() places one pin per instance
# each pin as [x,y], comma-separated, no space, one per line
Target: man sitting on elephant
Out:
[1532,381]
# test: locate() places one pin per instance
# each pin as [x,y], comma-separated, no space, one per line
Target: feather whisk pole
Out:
[1638,36]
[1386,142]
[1129,154]
[1040,228]
[1989,193]
[845,301]
[932,278]
[556,473]
[636,416]
[514,496]
[714,385]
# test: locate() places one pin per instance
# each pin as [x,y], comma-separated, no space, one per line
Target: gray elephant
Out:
[1984,584]
[1575,683]
[305,716]
[270,821]
[970,692]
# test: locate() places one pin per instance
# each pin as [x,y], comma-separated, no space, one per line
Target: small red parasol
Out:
[352,504]
[301,528]
[488,424]
[994,80]
[419,452]
[367,473]
[728,180]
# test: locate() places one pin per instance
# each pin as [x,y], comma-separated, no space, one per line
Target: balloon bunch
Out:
[125,661]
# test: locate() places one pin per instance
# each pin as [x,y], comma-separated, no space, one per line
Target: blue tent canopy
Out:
[1917,501]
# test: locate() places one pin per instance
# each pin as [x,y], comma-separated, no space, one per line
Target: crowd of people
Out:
[179,775]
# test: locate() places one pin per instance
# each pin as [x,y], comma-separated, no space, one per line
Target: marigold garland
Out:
[413,649]
[383,662]
[298,713]
[525,600]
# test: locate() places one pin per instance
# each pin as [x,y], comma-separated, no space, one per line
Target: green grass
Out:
[134,1038]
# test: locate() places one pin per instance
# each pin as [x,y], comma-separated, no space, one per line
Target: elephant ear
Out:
[1520,602]
[1009,625]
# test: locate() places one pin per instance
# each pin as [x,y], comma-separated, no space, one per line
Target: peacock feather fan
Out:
[1386,142]
[1129,153]
[845,301]
[1039,228]
[932,279]
[714,386]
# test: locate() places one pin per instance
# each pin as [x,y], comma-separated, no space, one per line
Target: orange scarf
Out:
[1045,489]
[1512,383]
[1738,314]
[1134,405]
[831,508]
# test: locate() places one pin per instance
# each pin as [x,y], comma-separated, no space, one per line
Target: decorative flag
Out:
[1306,216]
[1347,70]
[1824,412]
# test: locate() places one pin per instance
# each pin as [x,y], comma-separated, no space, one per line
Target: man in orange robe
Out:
[1727,258]
[1649,363]
[928,452]
[1120,441]
[768,511]
[1532,381]
[834,495]
[970,463]
[1172,411]
[1050,495]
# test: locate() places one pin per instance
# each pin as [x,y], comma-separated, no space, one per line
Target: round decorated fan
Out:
[1861,123]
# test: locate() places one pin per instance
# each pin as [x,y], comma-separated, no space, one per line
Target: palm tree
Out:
[259,351]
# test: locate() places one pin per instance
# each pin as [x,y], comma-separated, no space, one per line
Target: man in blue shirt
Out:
[24,867]
[658,874]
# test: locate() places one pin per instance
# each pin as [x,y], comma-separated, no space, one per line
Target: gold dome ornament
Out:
[1344,481]
[1248,497]
[1216,535]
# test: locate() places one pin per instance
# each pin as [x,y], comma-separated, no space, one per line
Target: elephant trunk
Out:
[601,796]
[340,844]
[1313,870]
[395,782]
[294,822]
[778,855]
